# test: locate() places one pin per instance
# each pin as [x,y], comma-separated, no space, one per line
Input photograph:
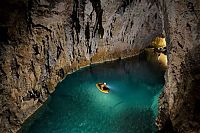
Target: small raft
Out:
[103,87]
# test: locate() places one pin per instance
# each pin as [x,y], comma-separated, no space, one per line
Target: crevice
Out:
[188,26]
[87,32]
[191,8]
[15,67]
[33,94]
[87,37]
[125,3]
[179,44]
[96,4]
[28,16]
[59,49]
[36,50]
[46,89]
[61,73]
[156,16]
[33,69]
[75,20]
[41,26]
[2,74]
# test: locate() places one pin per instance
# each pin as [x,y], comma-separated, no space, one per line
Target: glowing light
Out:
[103,87]
[159,42]
[162,58]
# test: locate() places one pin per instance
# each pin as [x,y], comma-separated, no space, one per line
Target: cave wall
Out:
[180,103]
[43,40]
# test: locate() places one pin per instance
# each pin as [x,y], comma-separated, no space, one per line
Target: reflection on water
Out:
[77,106]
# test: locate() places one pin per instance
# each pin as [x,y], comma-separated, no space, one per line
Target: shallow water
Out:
[77,106]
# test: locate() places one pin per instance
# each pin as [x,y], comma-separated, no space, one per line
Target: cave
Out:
[45,42]
[77,105]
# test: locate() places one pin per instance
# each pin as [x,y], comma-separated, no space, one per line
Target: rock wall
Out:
[180,102]
[43,40]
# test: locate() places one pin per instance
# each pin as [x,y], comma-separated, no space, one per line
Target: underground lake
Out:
[77,106]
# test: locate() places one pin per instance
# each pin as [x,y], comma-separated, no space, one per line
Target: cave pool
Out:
[77,106]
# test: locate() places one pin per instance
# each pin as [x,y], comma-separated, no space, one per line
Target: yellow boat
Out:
[103,87]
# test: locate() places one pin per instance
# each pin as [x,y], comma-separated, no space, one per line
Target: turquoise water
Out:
[77,106]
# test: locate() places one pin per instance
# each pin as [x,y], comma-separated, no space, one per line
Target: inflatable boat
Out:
[103,87]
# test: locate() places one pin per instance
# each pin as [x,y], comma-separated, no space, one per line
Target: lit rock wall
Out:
[180,103]
[43,40]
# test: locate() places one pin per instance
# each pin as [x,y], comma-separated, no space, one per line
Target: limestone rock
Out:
[41,41]
[180,102]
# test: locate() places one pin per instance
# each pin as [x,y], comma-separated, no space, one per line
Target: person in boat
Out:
[103,87]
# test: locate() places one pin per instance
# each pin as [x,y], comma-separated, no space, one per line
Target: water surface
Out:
[77,106]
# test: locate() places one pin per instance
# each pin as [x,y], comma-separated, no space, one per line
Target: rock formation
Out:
[43,40]
[180,102]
